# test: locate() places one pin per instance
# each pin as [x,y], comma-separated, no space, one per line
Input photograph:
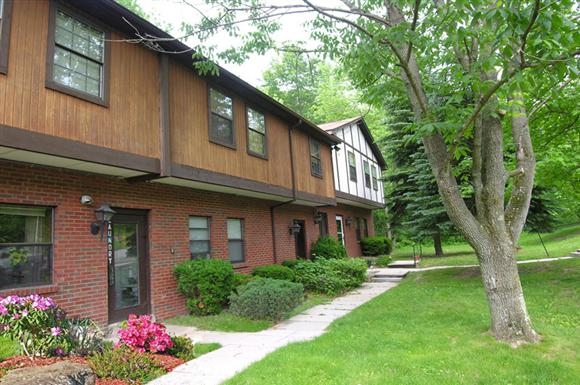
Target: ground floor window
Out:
[25,246]
[236,240]
[199,237]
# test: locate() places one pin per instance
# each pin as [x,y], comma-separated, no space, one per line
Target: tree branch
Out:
[524,38]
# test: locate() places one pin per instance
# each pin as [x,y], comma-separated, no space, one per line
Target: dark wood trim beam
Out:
[357,199]
[319,199]
[5,36]
[206,176]
[51,145]
[164,114]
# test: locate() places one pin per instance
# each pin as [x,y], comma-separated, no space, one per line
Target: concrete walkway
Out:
[239,350]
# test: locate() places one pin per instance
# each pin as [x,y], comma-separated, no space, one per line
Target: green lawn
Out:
[229,322]
[432,329]
[559,243]
[7,348]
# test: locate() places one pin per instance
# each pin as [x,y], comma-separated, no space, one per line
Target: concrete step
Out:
[386,279]
[407,264]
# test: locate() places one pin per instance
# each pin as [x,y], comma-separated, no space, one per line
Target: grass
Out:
[432,329]
[559,244]
[8,348]
[228,322]
[201,349]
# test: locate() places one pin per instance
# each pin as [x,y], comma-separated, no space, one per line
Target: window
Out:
[78,57]
[199,237]
[375,180]
[315,160]
[221,118]
[256,132]
[361,228]
[351,166]
[5,13]
[25,246]
[339,229]
[367,171]
[236,240]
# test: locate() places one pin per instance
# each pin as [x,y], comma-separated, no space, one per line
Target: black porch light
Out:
[103,214]
[294,228]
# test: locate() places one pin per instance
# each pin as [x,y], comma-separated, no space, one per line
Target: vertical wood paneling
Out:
[129,123]
[190,143]
[305,181]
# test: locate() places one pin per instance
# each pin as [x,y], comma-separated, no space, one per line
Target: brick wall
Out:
[80,262]
[80,258]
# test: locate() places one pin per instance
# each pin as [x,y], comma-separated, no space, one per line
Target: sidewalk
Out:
[239,350]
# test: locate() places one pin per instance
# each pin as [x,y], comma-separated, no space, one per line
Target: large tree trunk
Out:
[510,321]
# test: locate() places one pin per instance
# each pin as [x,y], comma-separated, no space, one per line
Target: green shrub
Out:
[352,271]
[183,348]
[125,364]
[274,271]
[318,277]
[374,246]
[206,283]
[331,276]
[327,248]
[383,261]
[291,263]
[240,279]
[266,299]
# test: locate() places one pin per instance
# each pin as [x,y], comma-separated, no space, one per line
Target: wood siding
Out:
[305,181]
[190,143]
[131,121]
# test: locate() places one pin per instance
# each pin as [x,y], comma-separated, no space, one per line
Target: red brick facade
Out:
[79,281]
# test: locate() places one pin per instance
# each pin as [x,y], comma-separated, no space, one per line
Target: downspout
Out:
[293,176]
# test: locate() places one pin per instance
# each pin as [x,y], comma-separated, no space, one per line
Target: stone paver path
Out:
[239,350]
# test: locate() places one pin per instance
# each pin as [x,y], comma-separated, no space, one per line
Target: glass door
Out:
[128,262]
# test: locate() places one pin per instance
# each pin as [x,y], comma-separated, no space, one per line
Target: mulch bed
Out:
[168,362]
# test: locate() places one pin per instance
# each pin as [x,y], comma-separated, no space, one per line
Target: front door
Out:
[300,239]
[128,265]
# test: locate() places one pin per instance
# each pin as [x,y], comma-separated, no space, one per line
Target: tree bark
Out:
[510,321]
[437,244]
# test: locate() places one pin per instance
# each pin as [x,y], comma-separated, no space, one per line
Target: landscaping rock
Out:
[61,373]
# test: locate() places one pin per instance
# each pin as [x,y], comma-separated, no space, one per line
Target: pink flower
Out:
[55,331]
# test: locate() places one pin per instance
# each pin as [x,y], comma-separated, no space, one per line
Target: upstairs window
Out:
[5,13]
[315,159]
[236,240]
[199,237]
[367,171]
[25,246]
[256,132]
[221,118]
[352,166]
[78,57]
[375,178]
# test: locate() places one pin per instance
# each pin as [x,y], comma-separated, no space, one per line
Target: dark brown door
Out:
[128,265]
[300,240]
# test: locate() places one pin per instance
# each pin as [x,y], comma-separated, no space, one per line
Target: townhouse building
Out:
[119,160]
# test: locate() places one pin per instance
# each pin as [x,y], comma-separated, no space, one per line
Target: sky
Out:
[174,12]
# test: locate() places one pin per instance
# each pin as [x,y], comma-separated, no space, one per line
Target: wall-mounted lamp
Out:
[295,228]
[104,214]
[348,221]
[318,218]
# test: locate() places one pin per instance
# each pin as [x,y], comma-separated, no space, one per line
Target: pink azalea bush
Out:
[144,335]
[36,322]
